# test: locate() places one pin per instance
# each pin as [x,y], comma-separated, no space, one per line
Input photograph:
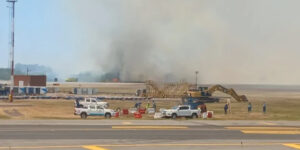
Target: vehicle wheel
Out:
[107,115]
[174,116]
[83,115]
[194,116]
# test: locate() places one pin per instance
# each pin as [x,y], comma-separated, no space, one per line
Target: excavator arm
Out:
[239,98]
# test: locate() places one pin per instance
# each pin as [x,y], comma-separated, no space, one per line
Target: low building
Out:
[30,80]
[29,84]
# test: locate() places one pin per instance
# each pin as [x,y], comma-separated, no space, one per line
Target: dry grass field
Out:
[277,109]
[281,105]
[63,109]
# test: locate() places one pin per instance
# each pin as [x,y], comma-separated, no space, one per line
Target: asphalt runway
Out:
[179,135]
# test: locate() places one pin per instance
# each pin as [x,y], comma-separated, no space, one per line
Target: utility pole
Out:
[27,71]
[196,79]
[12,42]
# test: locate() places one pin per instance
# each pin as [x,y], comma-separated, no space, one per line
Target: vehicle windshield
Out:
[96,100]
[175,107]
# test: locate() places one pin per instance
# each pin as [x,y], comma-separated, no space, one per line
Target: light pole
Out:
[12,47]
[196,79]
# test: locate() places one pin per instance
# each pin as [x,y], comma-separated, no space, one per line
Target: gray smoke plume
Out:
[230,41]
[130,56]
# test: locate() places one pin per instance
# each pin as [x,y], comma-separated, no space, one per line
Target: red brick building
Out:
[30,80]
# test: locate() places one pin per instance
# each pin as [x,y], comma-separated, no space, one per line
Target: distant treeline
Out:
[5,73]
[31,69]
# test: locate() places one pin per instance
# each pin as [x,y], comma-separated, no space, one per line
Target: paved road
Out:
[148,135]
[134,132]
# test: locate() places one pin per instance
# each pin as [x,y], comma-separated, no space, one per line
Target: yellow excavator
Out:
[203,94]
[206,93]
[231,92]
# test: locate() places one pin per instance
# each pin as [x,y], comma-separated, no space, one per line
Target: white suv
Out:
[84,112]
[181,111]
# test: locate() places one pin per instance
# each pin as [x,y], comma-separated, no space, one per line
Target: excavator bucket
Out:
[243,98]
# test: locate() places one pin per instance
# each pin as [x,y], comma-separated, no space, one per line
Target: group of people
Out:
[264,107]
[138,105]
[153,105]
[227,106]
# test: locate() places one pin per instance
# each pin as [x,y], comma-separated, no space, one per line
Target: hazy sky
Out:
[229,41]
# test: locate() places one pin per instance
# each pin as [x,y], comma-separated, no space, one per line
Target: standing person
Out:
[203,108]
[154,105]
[229,105]
[148,104]
[264,107]
[136,105]
[225,108]
[199,108]
[249,107]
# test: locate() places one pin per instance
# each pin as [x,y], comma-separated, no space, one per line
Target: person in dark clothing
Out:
[77,104]
[249,107]
[154,105]
[203,108]
[264,107]
[225,108]
[137,105]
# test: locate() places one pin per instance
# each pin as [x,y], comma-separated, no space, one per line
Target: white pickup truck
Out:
[181,111]
[91,102]
[86,111]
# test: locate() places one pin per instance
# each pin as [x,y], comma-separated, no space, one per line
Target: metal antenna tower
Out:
[12,2]
[196,72]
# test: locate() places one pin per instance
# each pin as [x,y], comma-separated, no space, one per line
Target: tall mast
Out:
[12,42]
